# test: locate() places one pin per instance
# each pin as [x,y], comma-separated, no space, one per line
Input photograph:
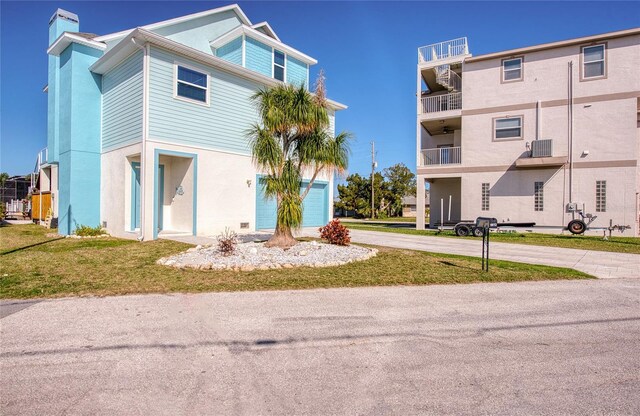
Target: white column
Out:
[420,197]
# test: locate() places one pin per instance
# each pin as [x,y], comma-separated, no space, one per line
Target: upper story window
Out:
[278,65]
[192,84]
[593,61]
[512,69]
[508,128]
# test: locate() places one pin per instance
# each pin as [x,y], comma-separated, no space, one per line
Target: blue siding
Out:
[197,33]
[220,126]
[296,72]
[332,122]
[122,104]
[79,115]
[258,57]
[231,51]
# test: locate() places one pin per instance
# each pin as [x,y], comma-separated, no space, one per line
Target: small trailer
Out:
[466,228]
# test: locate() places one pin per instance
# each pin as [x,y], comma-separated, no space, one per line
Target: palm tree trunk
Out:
[282,238]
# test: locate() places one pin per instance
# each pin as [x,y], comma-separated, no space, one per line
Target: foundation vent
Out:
[244,225]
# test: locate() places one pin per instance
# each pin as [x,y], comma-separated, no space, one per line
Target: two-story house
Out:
[531,134]
[147,128]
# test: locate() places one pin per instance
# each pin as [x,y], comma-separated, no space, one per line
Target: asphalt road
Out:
[544,348]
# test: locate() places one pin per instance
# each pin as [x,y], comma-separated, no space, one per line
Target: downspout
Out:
[145,121]
[570,128]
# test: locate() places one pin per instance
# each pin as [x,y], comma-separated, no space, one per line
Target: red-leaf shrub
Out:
[335,233]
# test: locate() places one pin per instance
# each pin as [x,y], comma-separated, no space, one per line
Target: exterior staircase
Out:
[447,78]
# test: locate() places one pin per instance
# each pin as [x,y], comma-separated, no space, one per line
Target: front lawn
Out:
[33,265]
[615,244]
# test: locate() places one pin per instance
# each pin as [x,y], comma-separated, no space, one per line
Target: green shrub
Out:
[86,231]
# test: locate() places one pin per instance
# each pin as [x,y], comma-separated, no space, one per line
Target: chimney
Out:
[62,21]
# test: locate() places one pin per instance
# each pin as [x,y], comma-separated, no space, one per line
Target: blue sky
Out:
[367,49]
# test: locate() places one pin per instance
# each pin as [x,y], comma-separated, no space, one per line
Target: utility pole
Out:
[373,171]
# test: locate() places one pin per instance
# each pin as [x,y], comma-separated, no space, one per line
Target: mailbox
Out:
[486,222]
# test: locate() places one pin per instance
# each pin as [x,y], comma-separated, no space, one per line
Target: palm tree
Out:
[292,139]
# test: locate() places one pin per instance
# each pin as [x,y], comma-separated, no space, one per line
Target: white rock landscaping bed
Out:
[255,256]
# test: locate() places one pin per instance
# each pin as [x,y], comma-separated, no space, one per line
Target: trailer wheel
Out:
[577,227]
[477,232]
[462,230]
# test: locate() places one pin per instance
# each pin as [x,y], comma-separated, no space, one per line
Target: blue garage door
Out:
[314,207]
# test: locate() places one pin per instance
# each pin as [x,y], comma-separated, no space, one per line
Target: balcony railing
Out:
[542,148]
[443,50]
[43,155]
[441,156]
[445,102]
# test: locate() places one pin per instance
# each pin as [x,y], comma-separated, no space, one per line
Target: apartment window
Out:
[192,84]
[593,61]
[538,196]
[601,196]
[278,65]
[507,128]
[512,69]
[485,197]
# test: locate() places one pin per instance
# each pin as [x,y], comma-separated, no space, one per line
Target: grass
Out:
[615,244]
[390,219]
[33,265]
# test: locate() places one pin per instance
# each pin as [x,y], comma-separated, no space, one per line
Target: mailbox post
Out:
[485,223]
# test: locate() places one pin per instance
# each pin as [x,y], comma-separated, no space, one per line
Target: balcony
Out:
[440,103]
[441,156]
[443,51]
[541,156]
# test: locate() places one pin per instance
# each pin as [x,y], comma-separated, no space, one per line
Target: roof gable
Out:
[188,22]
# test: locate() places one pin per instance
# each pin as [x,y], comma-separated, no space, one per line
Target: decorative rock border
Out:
[254,256]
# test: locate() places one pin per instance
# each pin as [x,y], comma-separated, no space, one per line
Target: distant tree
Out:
[400,182]
[4,176]
[356,195]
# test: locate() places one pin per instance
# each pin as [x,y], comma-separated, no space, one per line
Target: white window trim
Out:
[495,129]
[273,65]
[176,64]
[603,60]
[504,70]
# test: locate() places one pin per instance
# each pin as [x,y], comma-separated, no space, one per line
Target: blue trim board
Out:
[134,209]
[159,225]
[156,159]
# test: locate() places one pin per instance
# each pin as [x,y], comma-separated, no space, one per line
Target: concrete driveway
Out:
[543,348]
[596,263]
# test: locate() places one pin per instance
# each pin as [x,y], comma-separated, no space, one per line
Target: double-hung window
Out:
[192,85]
[512,70]
[278,65]
[593,61]
[507,128]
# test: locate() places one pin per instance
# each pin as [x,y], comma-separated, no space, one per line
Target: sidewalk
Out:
[597,263]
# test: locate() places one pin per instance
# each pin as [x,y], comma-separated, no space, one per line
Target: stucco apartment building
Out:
[531,134]
[147,128]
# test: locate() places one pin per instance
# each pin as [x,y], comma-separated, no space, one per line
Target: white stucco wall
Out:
[606,136]
[115,190]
